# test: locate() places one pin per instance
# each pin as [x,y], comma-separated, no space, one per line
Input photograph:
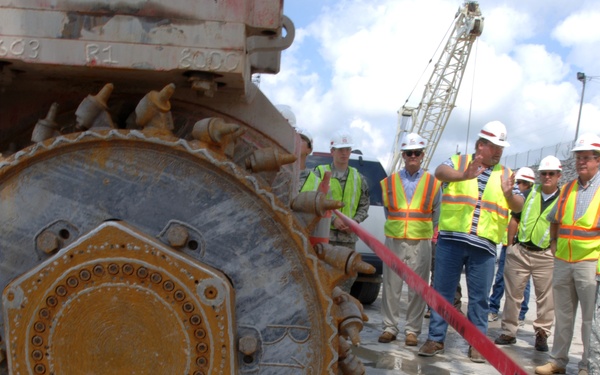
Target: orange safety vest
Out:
[412,220]
[578,240]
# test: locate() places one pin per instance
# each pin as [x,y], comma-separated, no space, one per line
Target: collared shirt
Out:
[409,183]
[584,198]
[472,238]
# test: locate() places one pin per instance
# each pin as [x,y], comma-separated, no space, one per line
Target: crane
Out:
[429,118]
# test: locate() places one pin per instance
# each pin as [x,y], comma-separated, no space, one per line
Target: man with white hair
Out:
[575,243]
[530,256]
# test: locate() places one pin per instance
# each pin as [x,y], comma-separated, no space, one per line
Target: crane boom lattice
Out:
[430,117]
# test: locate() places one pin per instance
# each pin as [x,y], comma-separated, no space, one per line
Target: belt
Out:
[531,248]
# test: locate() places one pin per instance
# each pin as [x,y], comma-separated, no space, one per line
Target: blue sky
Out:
[353,64]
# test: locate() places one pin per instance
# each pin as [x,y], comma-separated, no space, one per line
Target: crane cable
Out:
[431,59]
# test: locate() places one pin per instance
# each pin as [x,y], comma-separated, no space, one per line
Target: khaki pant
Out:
[519,265]
[594,354]
[573,284]
[416,254]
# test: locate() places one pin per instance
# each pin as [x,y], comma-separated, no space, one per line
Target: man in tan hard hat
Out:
[575,243]
[348,186]
[411,199]
[531,256]
[478,193]
[524,178]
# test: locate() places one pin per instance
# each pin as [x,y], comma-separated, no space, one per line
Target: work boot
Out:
[411,339]
[475,356]
[431,348]
[541,341]
[505,340]
[582,371]
[549,369]
[386,337]
[492,317]
[427,314]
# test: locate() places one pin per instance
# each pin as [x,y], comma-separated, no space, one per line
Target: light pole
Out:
[582,78]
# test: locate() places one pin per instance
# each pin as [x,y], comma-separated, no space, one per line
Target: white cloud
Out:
[355,65]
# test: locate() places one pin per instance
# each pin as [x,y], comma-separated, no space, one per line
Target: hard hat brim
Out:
[413,147]
[495,141]
[343,145]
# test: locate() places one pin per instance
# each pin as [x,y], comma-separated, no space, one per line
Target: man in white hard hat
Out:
[411,199]
[531,256]
[348,186]
[478,193]
[524,178]
[575,243]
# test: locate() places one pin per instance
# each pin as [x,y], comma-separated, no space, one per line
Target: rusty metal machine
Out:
[149,221]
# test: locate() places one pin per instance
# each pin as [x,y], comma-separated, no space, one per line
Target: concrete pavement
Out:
[396,358]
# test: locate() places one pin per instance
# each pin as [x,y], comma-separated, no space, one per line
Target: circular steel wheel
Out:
[121,253]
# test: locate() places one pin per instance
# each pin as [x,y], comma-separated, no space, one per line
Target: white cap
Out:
[525,174]
[587,142]
[341,139]
[550,163]
[305,134]
[286,112]
[495,132]
[413,141]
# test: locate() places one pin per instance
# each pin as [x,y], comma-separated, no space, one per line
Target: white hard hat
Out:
[550,163]
[413,141]
[587,142]
[495,132]
[305,134]
[341,139]
[286,112]
[525,174]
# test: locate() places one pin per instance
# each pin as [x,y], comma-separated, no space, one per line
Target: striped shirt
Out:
[472,238]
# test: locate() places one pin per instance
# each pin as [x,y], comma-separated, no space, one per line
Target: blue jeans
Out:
[450,258]
[498,289]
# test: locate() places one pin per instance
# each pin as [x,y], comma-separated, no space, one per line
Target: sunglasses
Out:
[411,153]
[521,182]
[548,173]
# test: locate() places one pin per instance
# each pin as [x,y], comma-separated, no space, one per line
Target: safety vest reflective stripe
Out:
[489,206]
[460,200]
[351,193]
[534,225]
[494,207]
[409,215]
[577,239]
[577,232]
[412,219]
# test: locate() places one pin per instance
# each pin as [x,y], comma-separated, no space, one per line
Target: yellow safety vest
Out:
[350,196]
[578,240]
[534,225]
[412,220]
[459,200]
[311,183]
